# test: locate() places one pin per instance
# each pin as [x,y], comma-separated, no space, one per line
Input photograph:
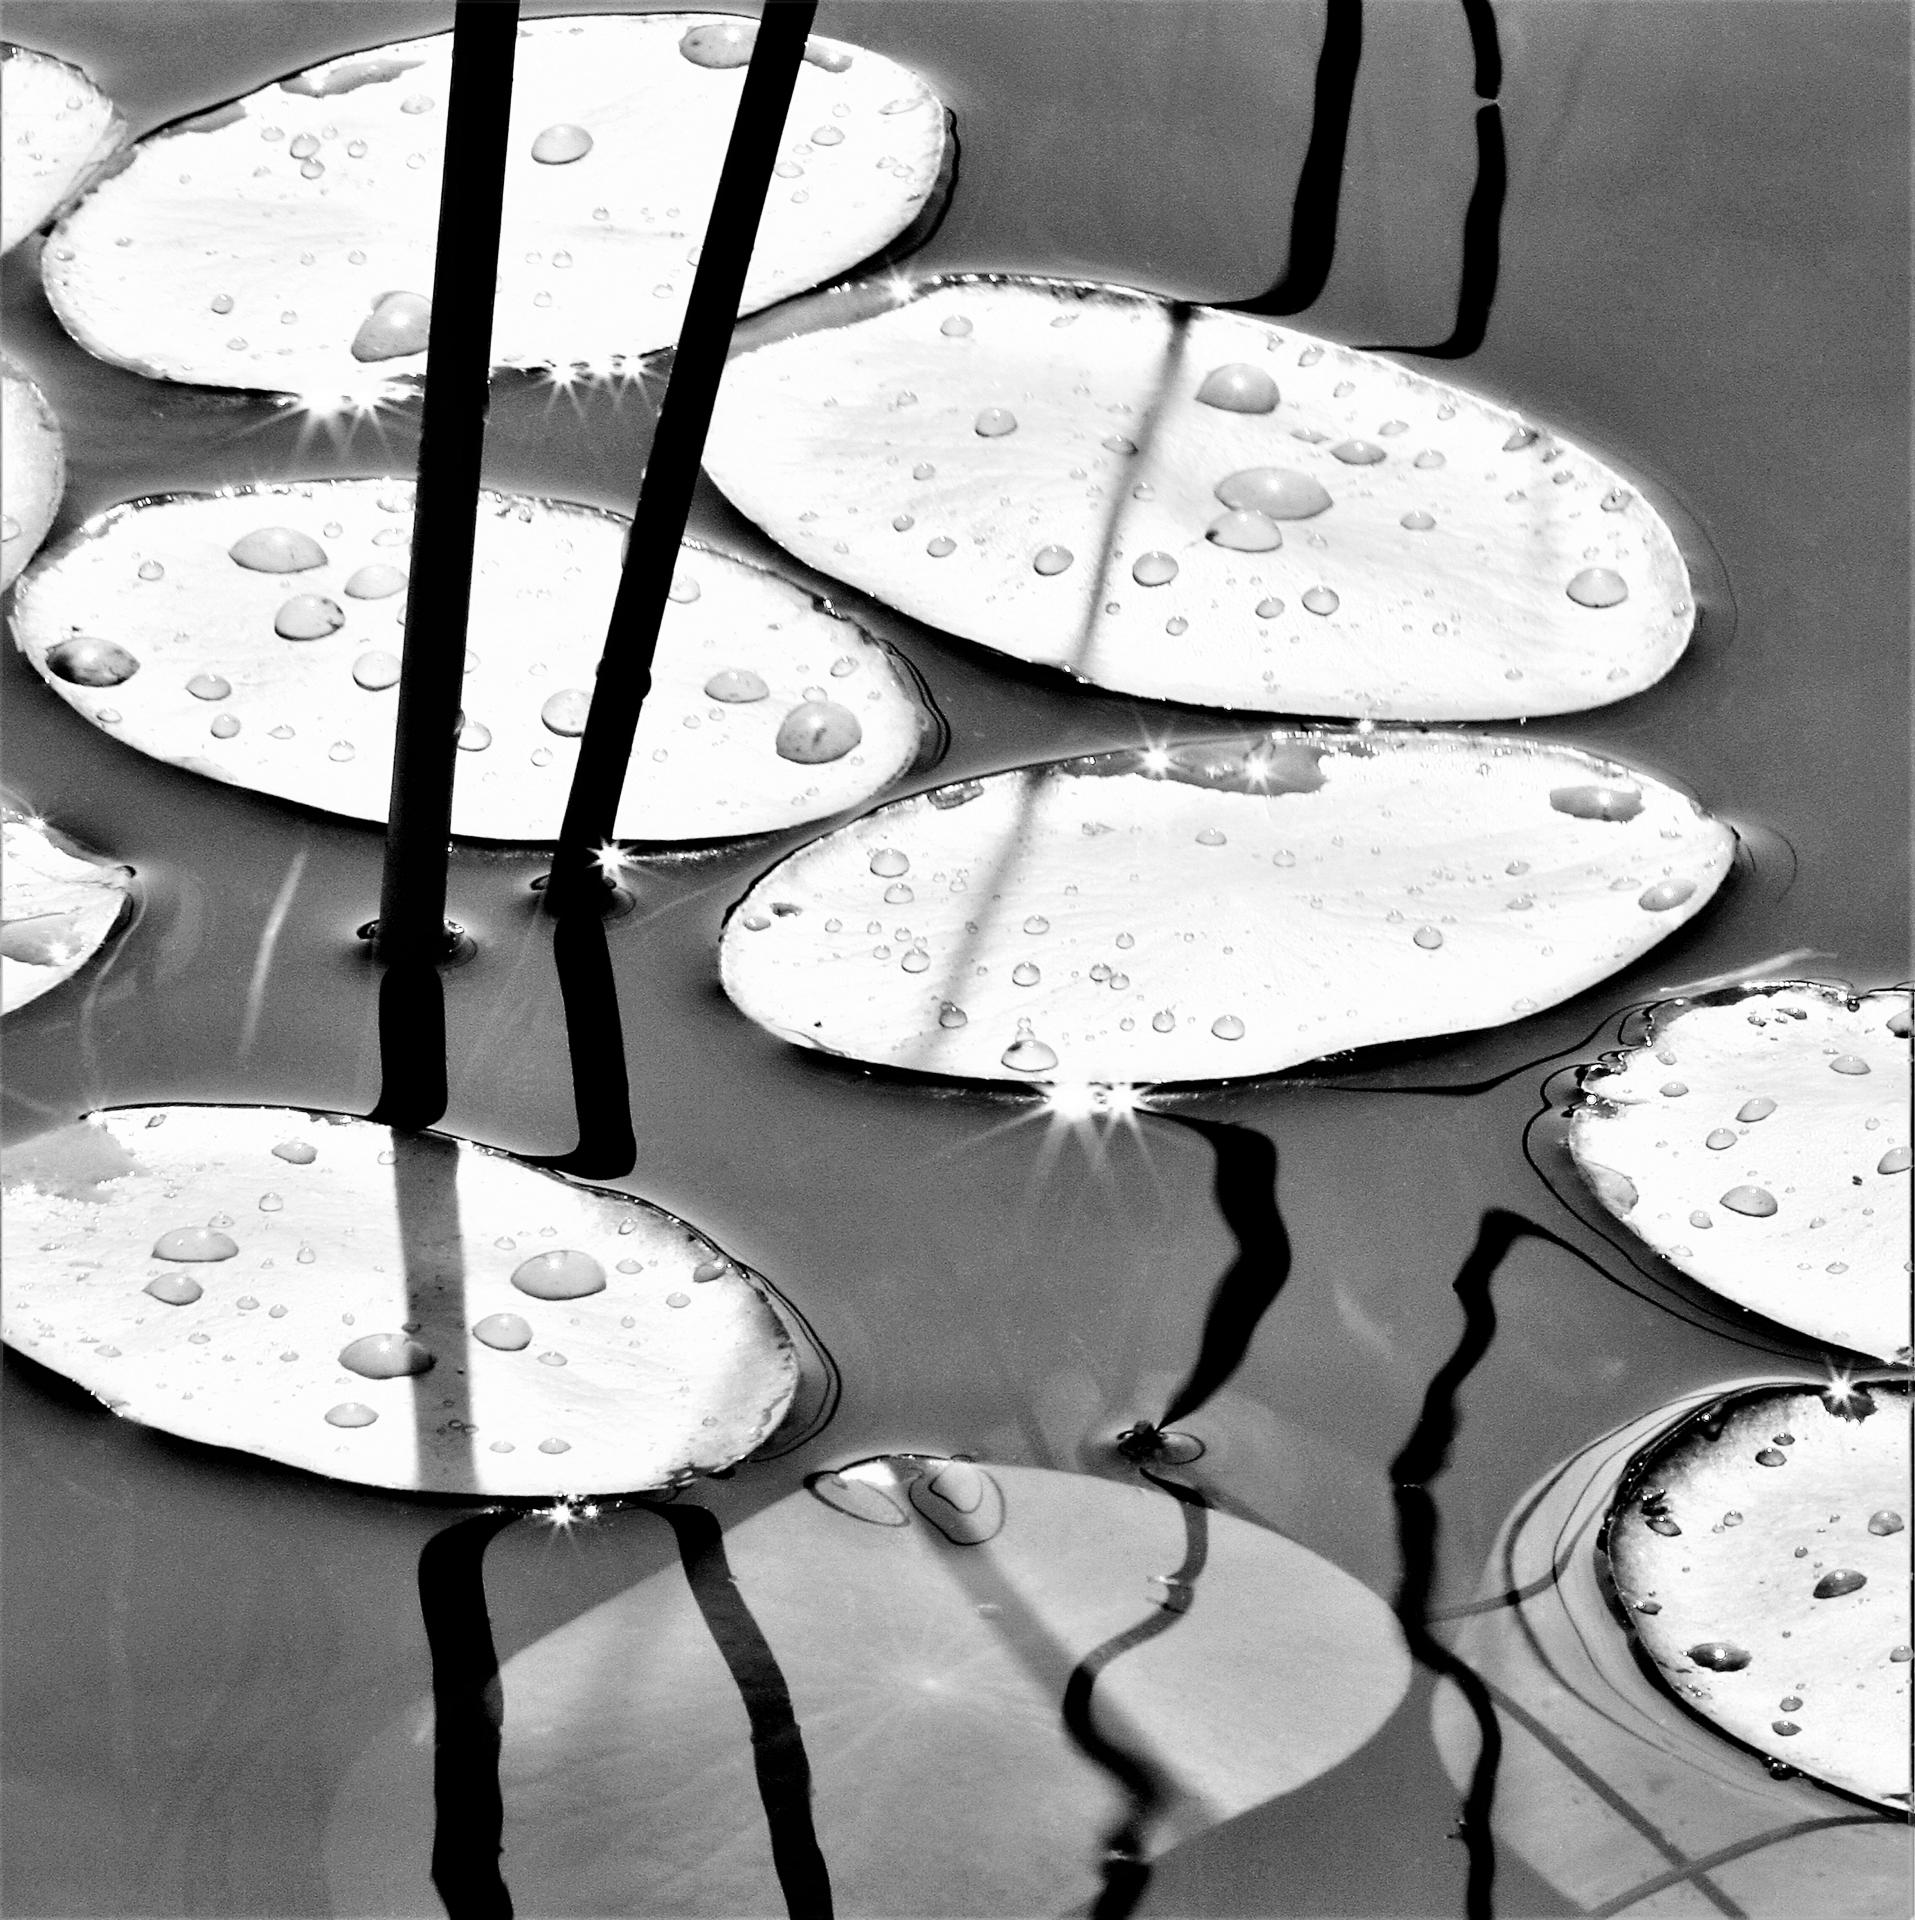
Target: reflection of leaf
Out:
[1760,1143]
[312,198]
[61,130]
[928,1679]
[1218,909]
[58,909]
[204,675]
[1195,506]
[32,469]
[1606,1785]
[209,1271]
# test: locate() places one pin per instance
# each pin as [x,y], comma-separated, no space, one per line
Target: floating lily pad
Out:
[1617,1795]
[59,906]
[253,245]
[32,469]
[1761,1551]
[61,131]
[400,1310]
[1218,909]
[1210,509]
[927,1661]
[254,636]
[1759,1141]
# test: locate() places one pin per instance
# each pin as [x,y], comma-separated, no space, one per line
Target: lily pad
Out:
[1191,505]
[399,1310]
[61,131]
[251,246]
[1759,1141]
[928,1674]
[32,469]
[254,636]
[58,908]
[1218,909]
[1620,1797]
[1761,1551]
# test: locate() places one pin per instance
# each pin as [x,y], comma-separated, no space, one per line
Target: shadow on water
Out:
[595,1041]
[425,1179]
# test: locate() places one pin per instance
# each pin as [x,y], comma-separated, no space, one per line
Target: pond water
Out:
[1701,203]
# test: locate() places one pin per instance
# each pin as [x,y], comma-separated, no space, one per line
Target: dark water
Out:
[1699,278]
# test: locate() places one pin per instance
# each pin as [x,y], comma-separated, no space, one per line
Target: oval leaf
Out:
[1218,909]
[253,245]
[1606,1786]
[927,1674]
[61,130]
[32,469]
[1204,508]
[58,908]
[1761,1550]
[254,636]
[400,1310]
[1760,1143]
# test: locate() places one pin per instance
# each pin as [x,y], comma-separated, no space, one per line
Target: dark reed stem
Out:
[678,445]
[412,892]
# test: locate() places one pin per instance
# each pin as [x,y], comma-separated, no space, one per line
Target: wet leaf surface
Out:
[32,469]
[255,637]
[256,245]
[61,131]
[927,1669]
[1218,909]
[400,1310]
[59,907]
[1190,505]
[1759,1141]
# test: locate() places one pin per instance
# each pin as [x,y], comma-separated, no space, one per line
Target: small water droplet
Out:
[1895,1160]
[474,737]
[1051,560]
[1838,1581]
[992,422]
[1849,1063]
[565,712]
[737,686]
[175,1289]
[350,1413]
[1597,803]
[1269,609]
[1027,1053]
[1239,387]
[564,1274]
[416,103]
[560,144]
[376,671]
[1024,974]
[1417,521]
[1721,1656]
[1154,569]
[1321,600]
[384,1356]
[399,324]
[941,548]
[1598,587]
[954,327]
[194,1243]
[817,731]
[1244,531]
[1357,453]
[888,862]
[308,616]
[508,1332]
[1428,459]
[340,750]
[379,581]
[1757,1202]
[1226,1026]
[277,550]
[555,1446]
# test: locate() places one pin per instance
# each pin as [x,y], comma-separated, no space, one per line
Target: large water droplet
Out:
[1849,1063]
[993,422]
[888,862]
[565,712]
[1321,600]
[474,737]
[563,1274]
[1721,1656]
[560,144]
[1050,560]
[508,1332]
[384,1356]
[398,325]
[1838,1581]
[725,43]
[1757,1202]
[1665,894]
[1226,1026]
[297,1153]
[194,1243]
[350,1413]
[1598,587]
[1756,1109]
[1243,531]
[1357,453]
[376,582]
[308,616]
[377,670]
[1278,493]
[737,686]
[85,661]
[1239,388]
[1597,803]
[1895,1160]
[1025,974]
[209,686]
[1027,1053]
[1721,1138]
[1885,1522]
[176,1289]
[816,731]
[1154,569]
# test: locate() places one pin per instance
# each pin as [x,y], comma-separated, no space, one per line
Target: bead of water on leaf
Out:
[888,862]
[209,686]
[1417,521]
[1244,531]
[1848,1063]
[174,1289]
[560,144]
[376,670]
[1154,569]
[1226,1026]
[507,1332]
[1597,803]
[194,1243]
[563,1274]
[1051,560]
[1239,387]
[308,616]
[951,1016]
[1895,1160]
[277,550]
[398,325]
[1720,1138]
[737,686]
[1027,1053]
[940,548]
[993,422]
[1321,600]
[1269,609]
[1598,587]
[224,727]
[1665,894]
[379,581]
[1357,453]
[1839,1581]
[385,1356]
[817,731]
[1756,1109]
[1024,974]
[1721,1656]
[565,712]
[474,737]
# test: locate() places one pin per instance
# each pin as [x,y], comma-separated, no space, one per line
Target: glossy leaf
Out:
[1219,909]
[255,637]
[58,908]
[32,469]
[61,131]
[1195,506]
[399,1310]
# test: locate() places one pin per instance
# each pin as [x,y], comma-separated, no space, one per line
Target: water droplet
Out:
[208,686]
[1885,1522]
[1357,453]
[1849,1063]
[1154,569]
[1417,521]
[1243,531]
[1664,895]
[995,421]
[340,750]
[1163,1021]
[563,1274]
[1838,1581]
[1751,1111]
[1598,587]
[560,144]
[416,103]
[816,731]
[1321,600]
[194,1243]
[1756,1202]
[1024,974]
[376,670]
[176,1289]
[1027,1053]
[378,581]
[1519,438]
[1269,609]
[1226,1026]
[888,862]
[951,1016]
[350,1413]
[474,737]
[826,137]
[1597,803]
[1239,388]
[1721,1656]
[384,1356]
[1050,560]
[565,712]
[737,686]
[222,303]
[277,550]
[308,616]
[1661,1523]
[1720,1138]
[508,1332]
[398,325]
[1428,459]
[941,548]
[1895,1160]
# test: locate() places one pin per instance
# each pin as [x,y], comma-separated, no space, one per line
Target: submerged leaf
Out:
[1764,1135]
[1218,909]
[61,130]
[58,908]
[254,636]
[32,469]
[928,1678]
[400,1310]
[248,247]
[1605,1785]
[1078,476]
